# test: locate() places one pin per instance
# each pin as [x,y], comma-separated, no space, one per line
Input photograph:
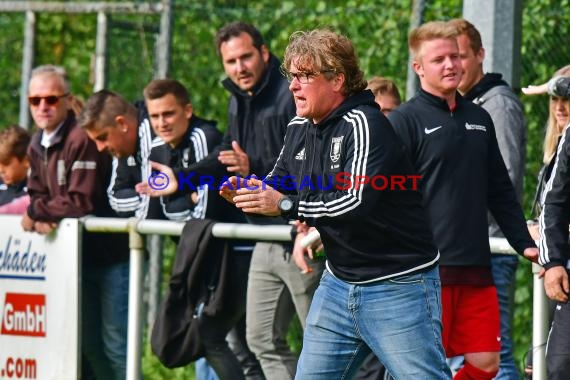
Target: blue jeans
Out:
[504,269]
[398,319]
[104,318]
[236,340]
[204,371]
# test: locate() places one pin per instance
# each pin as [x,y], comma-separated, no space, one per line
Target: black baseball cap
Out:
[559,86]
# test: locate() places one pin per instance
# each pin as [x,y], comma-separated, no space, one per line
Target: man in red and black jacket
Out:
[68,179]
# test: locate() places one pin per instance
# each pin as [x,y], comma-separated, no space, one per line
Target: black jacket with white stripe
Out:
[463,175]
[200,139]
[368,234]
[129,171]
[555,216]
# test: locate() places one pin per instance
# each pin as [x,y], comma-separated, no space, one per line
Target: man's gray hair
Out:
[53,70]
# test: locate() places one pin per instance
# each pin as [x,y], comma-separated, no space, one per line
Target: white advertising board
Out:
[39,301]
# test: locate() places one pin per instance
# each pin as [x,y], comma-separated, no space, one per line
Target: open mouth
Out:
[300,100]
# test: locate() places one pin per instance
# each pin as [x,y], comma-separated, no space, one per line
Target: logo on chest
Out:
[336,148]
[336,151]
[475,127]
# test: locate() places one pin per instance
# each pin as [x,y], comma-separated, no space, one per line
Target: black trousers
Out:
[558,345]
[228,364]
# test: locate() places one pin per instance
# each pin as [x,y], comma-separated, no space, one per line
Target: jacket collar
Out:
[439,102]
[60,134]
[351,102]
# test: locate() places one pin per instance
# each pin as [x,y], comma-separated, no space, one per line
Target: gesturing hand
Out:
[236,160]
[258,198]
[162,183]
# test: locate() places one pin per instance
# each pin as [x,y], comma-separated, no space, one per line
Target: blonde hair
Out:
[429,31]
[553,131]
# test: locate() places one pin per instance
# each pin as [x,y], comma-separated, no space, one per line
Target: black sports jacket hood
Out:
[486,83]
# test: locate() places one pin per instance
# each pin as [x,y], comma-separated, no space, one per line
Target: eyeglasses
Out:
[51,100]
[303,77]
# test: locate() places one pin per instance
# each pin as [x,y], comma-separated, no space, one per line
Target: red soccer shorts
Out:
[470,319]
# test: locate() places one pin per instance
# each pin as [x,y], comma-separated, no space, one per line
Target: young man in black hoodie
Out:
[380,289]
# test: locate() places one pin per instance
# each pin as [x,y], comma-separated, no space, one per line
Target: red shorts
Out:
[470,319]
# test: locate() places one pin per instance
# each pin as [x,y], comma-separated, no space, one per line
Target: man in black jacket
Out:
[338,154]
[184,139]
[452,144]
[259,110]
[123,130]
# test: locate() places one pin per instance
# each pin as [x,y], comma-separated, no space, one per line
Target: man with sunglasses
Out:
[68,178]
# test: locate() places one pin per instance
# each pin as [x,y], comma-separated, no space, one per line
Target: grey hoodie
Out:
[499,100]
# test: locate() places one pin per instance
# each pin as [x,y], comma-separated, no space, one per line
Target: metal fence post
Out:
[100,71]
[27,64]
[154,277]
[134,335]
[418,7]
[540,325]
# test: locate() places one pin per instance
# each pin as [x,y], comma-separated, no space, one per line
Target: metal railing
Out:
[136,228]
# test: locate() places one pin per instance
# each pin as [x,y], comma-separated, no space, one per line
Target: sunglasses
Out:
[51,100]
